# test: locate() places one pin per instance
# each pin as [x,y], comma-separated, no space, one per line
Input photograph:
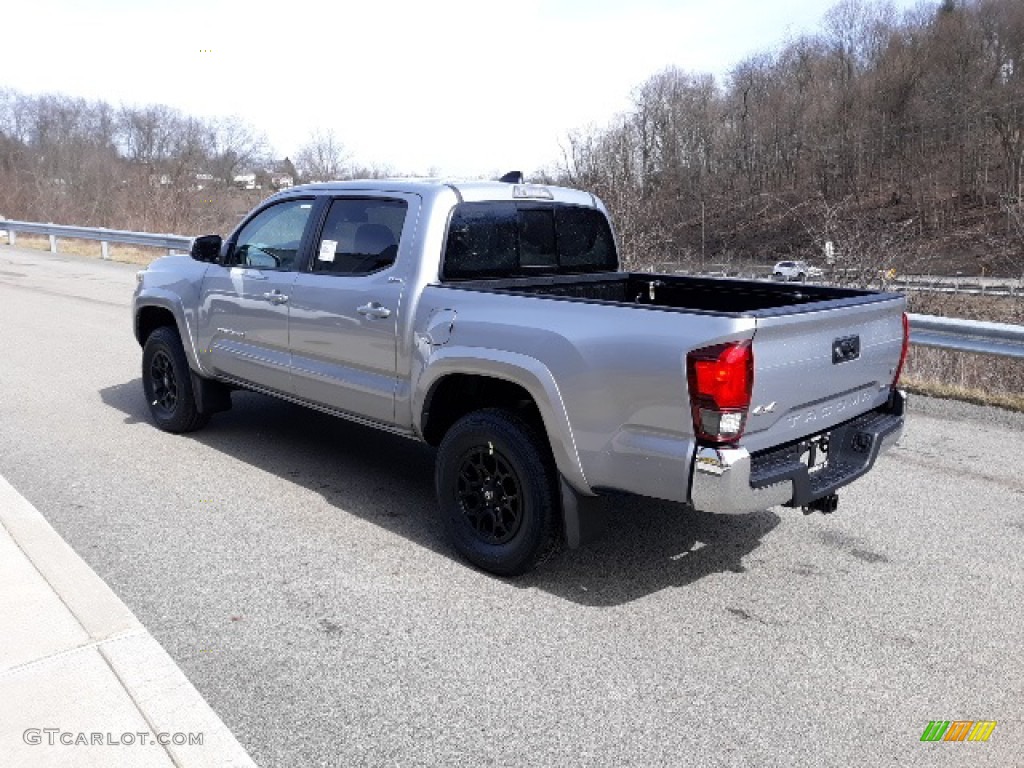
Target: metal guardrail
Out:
[975,286]
[173,243]
[967,335]
[965,290]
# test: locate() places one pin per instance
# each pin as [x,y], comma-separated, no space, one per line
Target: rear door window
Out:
[360,236]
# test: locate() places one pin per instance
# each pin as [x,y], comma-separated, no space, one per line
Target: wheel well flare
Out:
[148,319]
[454,396]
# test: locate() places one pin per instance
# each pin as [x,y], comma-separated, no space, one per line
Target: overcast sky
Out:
[459,87]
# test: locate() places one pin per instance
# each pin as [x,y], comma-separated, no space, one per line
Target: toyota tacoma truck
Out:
[492,321]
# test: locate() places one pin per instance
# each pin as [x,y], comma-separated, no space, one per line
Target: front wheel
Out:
[496,487]
[167,382]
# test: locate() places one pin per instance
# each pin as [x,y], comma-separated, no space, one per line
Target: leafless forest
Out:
[899,138]
[148,168]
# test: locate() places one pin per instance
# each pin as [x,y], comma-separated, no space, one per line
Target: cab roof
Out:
[465,190]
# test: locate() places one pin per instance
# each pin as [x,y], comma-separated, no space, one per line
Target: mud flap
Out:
[211,396]
[584,517]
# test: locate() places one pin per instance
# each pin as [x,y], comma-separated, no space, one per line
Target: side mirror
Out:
[207,248]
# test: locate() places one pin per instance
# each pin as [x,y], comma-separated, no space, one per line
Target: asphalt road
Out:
[292,564]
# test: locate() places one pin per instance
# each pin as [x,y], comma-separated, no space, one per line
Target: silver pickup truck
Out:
[490,319]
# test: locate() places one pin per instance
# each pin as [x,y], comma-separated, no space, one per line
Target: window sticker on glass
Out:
[327,249]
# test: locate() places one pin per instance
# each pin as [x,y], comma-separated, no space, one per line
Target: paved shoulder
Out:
[82,682]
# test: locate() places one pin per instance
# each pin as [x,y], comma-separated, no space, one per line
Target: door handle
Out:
[275,297]
[374,309]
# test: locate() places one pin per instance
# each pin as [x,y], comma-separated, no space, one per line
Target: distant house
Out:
[246,181]
[281,181]
[204,180]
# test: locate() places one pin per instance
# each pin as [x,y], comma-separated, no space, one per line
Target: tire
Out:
[497,490]
[167,382]
[801,277]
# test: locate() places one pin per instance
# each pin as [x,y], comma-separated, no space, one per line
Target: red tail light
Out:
[903,352]
[721,379]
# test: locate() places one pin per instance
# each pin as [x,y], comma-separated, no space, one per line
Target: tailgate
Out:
[813,370]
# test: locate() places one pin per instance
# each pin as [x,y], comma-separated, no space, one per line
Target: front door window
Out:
[271,240]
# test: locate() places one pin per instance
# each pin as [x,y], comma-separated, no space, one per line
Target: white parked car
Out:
[795,270]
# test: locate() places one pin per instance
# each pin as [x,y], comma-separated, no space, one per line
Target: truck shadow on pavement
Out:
[651,545]
[387,480]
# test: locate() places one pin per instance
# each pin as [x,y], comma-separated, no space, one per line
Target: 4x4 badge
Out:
[759,409]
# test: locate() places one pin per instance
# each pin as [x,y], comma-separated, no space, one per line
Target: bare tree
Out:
[234,146]
[322,157]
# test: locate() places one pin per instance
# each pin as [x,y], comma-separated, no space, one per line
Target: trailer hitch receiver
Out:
[826,505]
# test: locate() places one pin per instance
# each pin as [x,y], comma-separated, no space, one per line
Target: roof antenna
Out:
[512,177]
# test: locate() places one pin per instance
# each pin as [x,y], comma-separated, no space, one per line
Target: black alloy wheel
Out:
[165,385]
[497,489]
[167,382]
[490,495]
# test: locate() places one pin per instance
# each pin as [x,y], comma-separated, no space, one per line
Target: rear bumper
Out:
[733,481]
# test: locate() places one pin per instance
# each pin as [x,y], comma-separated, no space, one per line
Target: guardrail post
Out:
[104,249]
[11,237]
[53,243]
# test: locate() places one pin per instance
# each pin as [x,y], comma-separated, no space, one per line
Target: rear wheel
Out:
[801,277]
[496,488]
[167,381]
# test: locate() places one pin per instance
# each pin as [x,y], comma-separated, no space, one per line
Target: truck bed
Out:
[802,387]
[694,294]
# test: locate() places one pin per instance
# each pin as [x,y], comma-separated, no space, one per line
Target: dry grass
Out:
[981,379]
[129,254]
[1011,402]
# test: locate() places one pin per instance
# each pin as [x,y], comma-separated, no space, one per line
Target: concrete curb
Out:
[77,661]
